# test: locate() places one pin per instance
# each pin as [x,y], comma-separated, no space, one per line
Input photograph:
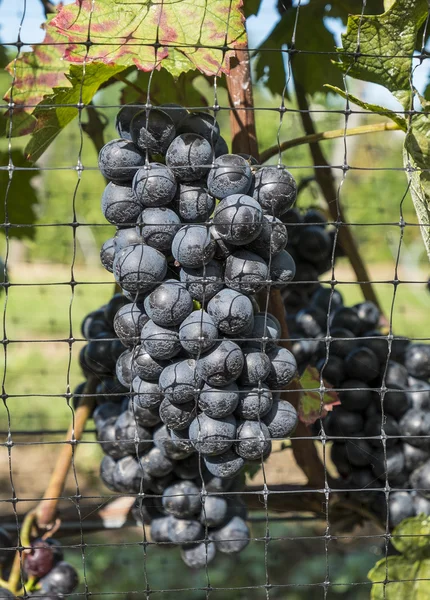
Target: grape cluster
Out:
[51,576]
[311,241]
[382,426]
[199,234]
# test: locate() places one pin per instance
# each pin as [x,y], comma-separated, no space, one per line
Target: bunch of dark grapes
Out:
[382,426]
[51,576]
[199,234]
[311,241]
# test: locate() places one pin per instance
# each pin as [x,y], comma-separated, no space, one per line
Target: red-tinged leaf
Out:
[36,73]
[181,35]
[314,404]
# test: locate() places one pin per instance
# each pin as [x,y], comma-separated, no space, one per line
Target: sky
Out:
[11,14]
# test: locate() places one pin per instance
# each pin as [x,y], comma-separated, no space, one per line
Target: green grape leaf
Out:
[374,108]
[313,405]
[21,195]
[36,73]
[189,34]
[312,64]
[387,42]
[396,578]
[59,109]
[412,537]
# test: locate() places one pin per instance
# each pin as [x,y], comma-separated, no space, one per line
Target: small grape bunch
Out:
[45,573]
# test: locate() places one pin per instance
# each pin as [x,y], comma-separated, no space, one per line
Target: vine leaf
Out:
[21,196]
[59,109]
[37,72]
[191,34]
[313,41]
[374,108]
[312,405]
[386,45]
[407,575]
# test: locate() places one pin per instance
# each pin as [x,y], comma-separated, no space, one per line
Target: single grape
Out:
[254,402]
[159,530]
[161,343]
[221,365]
[182,499]
[189,157]
[193,202]
[314,244]
[238,219]
[343,342]
[369,315]
[355,395]
[154,185]
[388,464]
[212,436]
[126,236]
[204,282]
[233,537]
[129,477]
[119,204]
[246,272]
[346,318]
[231,311]
[374,425]
[419,394]
[119,160]
[144,416]
[417,360]
[169,303]
[171,444]
[183,531]
[193,246]
[158,227]
[253,440]
[124,118]
[179,381]
[156,463]
[283,367]
[224,466]
[128,323]
[281,420]
[362,364]
[266,330]
[282,269]
[145,366]
[230,174]
[107,439]
[61,579]
[221,147]
[148,393]
[400,507]
[414,457]
[343,423]
[107,254]
[272,239]
[275,189]
[202,124]
[256,367]
[415,425]
[420,480]
[359,452]
[214,511]
[198,556]
[139,268]
[325,297]
[198,332]
[132,437]
[39,561]
[177,417]
[124,368]
[218,402]
[152,130]
[332,369]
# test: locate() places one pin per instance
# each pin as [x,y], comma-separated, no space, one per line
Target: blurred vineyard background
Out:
[41,305]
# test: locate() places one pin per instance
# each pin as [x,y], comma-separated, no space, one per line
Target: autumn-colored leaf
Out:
[36,73]
[313,404]
[148,35]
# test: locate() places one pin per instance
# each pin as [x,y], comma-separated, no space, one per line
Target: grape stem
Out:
[47,508]
[24,541]
[326,135]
